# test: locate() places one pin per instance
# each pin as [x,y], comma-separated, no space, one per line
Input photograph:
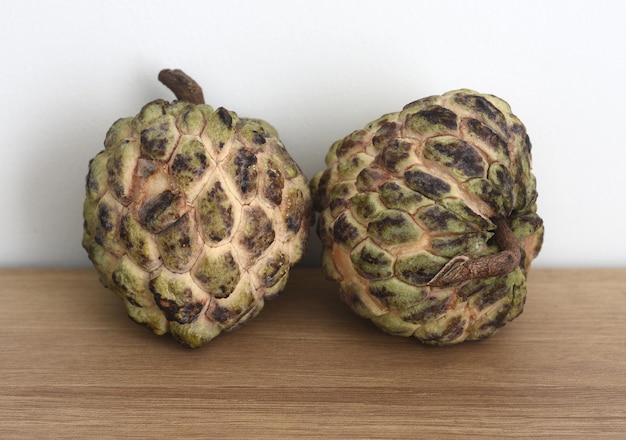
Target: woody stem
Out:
[183,86]
[466,268]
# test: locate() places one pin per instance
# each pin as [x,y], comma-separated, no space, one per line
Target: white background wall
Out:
[316,70]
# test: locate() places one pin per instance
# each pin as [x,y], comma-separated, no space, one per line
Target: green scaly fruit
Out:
[194,216]
[428,218]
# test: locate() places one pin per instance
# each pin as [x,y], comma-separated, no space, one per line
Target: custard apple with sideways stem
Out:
[428,218]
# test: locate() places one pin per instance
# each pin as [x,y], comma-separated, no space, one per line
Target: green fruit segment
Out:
[427,184]
[237,308]
[396,156]
[273,183]
[394,227]
[174,296]
[220,128]
[139,244]
[487,140]
[456,155]
[419,268]
[159,139]
[215,213]
[257,232]
[346,231]
[366,206]
[396,196]
[120,168]
[190,162]
[437,219]
[179,245]
[432,120]
[217,273]
[396,294]
[453,245]
[484,108]
[190,117]
[371,261]
[276,268]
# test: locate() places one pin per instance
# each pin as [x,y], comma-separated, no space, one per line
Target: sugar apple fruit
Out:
[194,216]
[428,218]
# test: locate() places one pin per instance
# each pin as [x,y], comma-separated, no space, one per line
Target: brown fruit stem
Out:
[464,268]
[183,86]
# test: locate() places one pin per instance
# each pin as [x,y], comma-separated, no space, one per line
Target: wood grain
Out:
[72,365]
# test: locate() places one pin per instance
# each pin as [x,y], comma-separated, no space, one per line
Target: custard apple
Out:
[194,216]
[428,218]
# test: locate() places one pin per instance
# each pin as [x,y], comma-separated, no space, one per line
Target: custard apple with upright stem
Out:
[193,215]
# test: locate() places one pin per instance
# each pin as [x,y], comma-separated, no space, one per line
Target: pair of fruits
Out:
[194,216]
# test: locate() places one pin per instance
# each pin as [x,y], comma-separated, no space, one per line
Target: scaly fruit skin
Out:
[194,216]
[417,191]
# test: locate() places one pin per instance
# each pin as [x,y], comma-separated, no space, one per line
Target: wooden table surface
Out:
[72,365]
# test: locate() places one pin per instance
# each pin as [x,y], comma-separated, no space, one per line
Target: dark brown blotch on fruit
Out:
[369,179]
[91,181]
[451,246]
[417,276]
[297,210]
[491,295]
[487,135]
[365,206]
[437,218]
[224,314]
[245,171]
[497,321]
[346,147]
[518,129]
[394,227]
[437,115]
[186,163]
[160,212]
[258,138]
[344,232]
[394,154]
[339,201]
[502,179]
[274,182]
[387,132]
[182,309]
[457,155]
[159,138]
[426,184]
[275,269]
[482,106]
[156,145]
[397,197]
[431,121]
[372,262]
[105,217]
[135,241]
[431,308]
[220,314]
[225,117]
[420,268]
[454,329]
